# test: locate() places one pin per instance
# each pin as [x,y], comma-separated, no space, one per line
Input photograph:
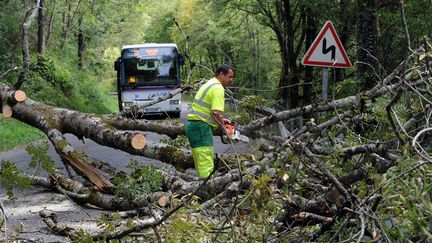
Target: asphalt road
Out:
[23,220]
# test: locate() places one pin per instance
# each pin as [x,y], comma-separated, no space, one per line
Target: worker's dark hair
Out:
[224,69]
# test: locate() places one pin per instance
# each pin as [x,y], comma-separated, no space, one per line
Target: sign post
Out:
[326,51]
[325,83]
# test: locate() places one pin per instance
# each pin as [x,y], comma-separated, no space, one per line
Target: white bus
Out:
[147,71]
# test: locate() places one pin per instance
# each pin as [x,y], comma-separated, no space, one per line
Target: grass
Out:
[14,133]
[112,103]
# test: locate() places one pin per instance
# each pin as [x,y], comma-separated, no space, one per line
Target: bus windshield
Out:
[147,66]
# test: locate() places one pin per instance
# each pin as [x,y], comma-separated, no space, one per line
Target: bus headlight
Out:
[132,80]
[127,104]
[174,102]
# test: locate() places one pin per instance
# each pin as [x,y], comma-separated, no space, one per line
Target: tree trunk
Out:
[50,25]
[366,39]
[344,13]
[81,44]
[308,81]
[288,89]
[293,37]
[66,25]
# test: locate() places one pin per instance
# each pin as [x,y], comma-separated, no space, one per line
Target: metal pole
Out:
[325,83]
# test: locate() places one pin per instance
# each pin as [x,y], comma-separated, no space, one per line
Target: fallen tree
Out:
[325,178]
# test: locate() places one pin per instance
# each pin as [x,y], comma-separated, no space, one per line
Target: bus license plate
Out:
[151,109]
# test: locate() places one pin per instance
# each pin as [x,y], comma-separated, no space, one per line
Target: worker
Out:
[206,116]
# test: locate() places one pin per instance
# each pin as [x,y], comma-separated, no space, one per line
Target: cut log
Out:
[19,96]
[138,141]
[163,201]
[6,111]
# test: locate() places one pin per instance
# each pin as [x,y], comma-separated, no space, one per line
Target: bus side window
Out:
[172,70]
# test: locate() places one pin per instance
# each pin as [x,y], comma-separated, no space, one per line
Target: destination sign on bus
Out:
[151,52]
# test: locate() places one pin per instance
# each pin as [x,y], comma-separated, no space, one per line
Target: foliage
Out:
[40,158]
[57,77]
[227,37]
[184,227]
[10,177]
[142,181]
[50,78]
[83,237]
[109,223]
[346,88]
[9,32]
[179,142]
[159,30]
[407,209]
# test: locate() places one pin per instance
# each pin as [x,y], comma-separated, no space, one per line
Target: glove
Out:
[226,121]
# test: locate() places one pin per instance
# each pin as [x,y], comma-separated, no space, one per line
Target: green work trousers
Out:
[200,137]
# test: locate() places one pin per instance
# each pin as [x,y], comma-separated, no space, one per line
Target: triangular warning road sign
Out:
[327,50]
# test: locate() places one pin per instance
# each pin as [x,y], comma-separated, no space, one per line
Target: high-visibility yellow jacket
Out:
[209,97]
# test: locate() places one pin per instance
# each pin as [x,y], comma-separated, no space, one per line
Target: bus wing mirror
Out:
[117,64]
[181,59]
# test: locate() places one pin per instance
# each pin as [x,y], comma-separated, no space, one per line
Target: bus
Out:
[146,72]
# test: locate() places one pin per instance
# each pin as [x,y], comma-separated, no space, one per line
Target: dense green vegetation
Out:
[264,41]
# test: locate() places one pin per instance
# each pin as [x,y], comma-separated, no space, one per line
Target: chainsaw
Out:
[233,134]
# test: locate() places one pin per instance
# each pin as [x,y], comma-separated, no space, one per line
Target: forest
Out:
[353,166]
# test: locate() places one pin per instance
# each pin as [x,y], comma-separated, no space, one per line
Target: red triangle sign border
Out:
[328,26]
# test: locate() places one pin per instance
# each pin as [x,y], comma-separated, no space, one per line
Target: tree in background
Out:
[366,41]
[41,30]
